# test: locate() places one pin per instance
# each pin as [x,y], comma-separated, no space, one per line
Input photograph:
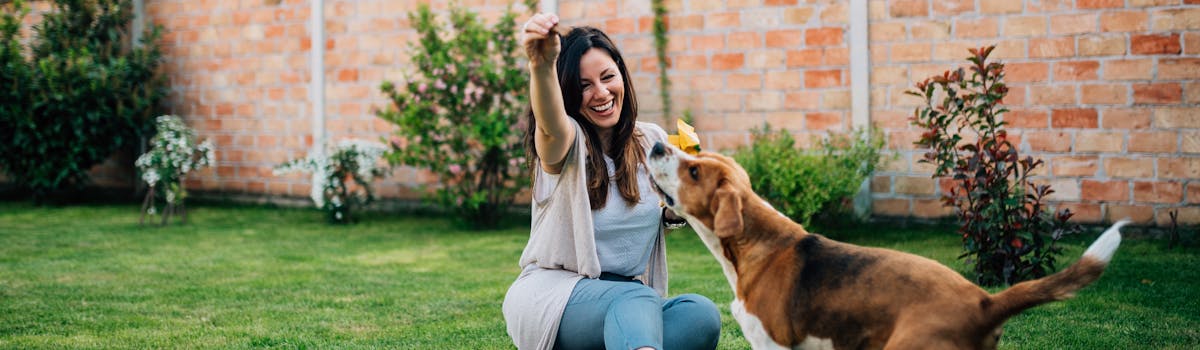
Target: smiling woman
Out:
[594,270]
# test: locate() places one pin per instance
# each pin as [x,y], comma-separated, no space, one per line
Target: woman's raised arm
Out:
[554,133]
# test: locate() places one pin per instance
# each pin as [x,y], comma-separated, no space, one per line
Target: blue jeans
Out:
[628,315]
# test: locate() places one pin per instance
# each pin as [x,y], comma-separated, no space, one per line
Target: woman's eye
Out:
[607,77]
[694,172]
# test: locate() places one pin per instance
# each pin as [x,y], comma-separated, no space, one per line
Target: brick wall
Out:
[1107,92]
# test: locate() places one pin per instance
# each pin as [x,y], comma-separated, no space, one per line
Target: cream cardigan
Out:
[562,250]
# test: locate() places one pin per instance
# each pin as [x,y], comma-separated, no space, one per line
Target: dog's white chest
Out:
[756,334]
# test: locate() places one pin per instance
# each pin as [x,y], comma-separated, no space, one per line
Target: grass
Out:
[256,277]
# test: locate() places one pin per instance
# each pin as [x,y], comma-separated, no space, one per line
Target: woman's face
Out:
[603,88]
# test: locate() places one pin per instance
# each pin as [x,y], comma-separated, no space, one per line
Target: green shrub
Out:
[808,184]
[1008,232]
[79,92]
[459,114]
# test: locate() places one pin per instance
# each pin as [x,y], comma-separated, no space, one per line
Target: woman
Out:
[594,270]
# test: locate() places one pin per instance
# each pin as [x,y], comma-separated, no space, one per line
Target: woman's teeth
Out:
[605,107]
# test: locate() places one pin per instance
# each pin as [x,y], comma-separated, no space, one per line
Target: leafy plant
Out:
[341,178]
[79,92]
[173,154]
[807,184]
[459,115]
[1008,232]
[660,52]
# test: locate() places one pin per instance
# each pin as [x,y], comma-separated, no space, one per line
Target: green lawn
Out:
[256,277]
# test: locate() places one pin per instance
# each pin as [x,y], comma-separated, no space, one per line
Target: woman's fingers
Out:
[535,34]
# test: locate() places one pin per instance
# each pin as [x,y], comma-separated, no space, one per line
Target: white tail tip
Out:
[1104,247]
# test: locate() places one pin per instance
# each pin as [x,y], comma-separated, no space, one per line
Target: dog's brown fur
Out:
[802,285]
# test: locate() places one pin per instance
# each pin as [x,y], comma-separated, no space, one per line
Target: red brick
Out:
[1113,191]
[1074,165]
[1177,117]
[801,100]
[1073,24]
[1107,45]
[910,52]
[887,32]
[909,8]
[1153,142]
[892,207]
[823,36]
[913,185]
[1138,214]
[1074,118]
[976,28]
[1126,21]
[999,6]
[1026,119]
[1026,72]
[728,61]
[1134,69]
[1099,141]
[1193,192]
[1053,95]
[1048,141]
[823,121]
[1026,26]
[1052,48]
[1084,212]
[931,208]
[1191,142]
[822,78]
[1104,94]
[1098,4]
[931,29]
[1177,19]
[1179,168]
[1179,69]
[787,80]
[785,38]
[1129,167]
[1049,6]
[1155,44]
[715,42]
[1076,70]
[1157,192]
[804,58]
[744,81]
[1163,93]
[744,40]
[1188,215]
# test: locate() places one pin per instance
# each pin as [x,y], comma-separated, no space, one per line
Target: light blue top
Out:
[625,233]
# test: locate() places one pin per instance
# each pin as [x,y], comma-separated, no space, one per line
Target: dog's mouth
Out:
[666,197]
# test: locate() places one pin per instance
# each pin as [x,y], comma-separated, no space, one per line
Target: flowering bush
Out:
[173,154]
[341,180]
[459,115]
[1007,230]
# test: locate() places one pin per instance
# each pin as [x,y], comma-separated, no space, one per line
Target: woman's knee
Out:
[699,312]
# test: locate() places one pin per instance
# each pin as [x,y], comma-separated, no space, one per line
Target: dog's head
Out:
[707,189]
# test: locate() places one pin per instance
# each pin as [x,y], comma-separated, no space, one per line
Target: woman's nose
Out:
[602,93]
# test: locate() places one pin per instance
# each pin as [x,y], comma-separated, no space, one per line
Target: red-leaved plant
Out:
[1008,232]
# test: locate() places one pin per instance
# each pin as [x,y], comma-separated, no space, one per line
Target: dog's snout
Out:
[659,150]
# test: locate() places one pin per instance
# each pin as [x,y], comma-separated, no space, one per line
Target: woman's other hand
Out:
[541,39]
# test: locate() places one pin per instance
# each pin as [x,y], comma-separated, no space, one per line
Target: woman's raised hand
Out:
[540,38]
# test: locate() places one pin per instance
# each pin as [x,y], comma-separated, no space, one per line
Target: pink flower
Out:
[455,169]
[421,88]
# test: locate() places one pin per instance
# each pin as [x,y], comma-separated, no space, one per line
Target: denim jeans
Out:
[628,315]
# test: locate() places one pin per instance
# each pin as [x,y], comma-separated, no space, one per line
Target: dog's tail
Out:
[1059,286]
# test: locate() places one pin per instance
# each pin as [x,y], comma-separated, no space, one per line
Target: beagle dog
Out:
[794,289]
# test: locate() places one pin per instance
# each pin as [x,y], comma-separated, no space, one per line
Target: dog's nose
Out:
[659,150]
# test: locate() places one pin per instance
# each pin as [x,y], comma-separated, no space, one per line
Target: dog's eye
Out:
[694,172]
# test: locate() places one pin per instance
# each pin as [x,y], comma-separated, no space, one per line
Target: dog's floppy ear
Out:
[726,207]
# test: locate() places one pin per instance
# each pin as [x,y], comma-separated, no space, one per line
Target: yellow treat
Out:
[686,138]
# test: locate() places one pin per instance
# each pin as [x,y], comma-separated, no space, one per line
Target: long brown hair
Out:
[627,150]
